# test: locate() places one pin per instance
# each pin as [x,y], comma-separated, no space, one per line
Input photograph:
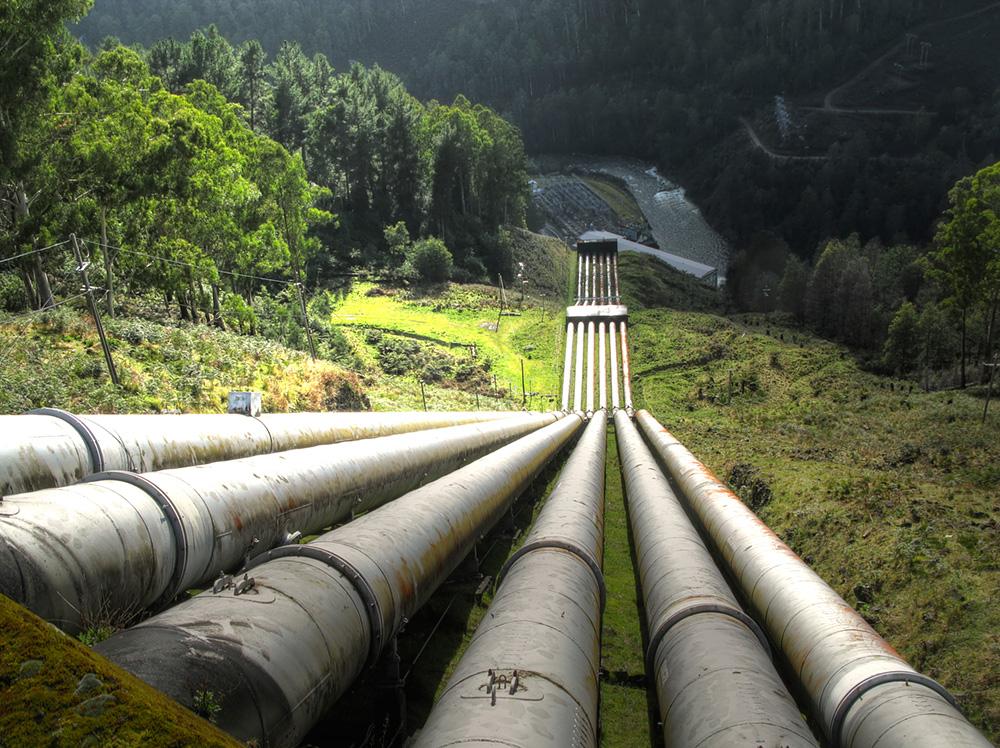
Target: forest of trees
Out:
[658,79]
[203,172]
[204,166]
[912,311]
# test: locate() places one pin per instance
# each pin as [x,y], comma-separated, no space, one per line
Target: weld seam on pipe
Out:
[270,436]
[350,572]
[851,698]
[727,610]
[166,505]
[93,447]
[564,545]
[579,467]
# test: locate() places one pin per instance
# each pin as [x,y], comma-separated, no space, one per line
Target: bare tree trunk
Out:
[29,287]
[43,296]
[961,376]
[193,301]
[990,328]
[109,259]
[199,297]
[217,308]
[45,299]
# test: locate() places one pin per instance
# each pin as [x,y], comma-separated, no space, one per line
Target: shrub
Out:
[430,259]
[13,296]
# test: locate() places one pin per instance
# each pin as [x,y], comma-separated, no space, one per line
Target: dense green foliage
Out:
[670,81]
[907,309]
[209,176]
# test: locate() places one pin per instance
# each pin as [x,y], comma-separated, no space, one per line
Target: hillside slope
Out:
[891,494]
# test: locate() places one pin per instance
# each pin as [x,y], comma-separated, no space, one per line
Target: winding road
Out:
[828,100]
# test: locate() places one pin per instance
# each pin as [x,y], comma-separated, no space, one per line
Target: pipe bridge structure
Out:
[597,323]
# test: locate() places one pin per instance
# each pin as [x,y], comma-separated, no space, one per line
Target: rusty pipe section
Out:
[709,661]
[122,542]
[539,642]
[47,448]
[861,691]
[279,654]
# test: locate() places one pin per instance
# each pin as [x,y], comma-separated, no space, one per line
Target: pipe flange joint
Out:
[93,447]
[354,577]
[727,610]
[893,676]
[564,545]
[163,501]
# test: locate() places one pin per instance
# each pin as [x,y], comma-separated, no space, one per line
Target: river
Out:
[678,226]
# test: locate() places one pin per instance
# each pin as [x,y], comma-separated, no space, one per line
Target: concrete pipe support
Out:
[48,448]
[862,693]
[709,661]
[120,543]
[281,653]
[530,675]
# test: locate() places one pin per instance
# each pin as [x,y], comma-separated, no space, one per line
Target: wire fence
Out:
[281,321]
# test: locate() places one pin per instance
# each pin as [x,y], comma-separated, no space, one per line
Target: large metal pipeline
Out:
[626,370]
[123,542]
[280,654]
[613,334]
[529,678]
[578,392]
[47,448]
[862,692]
[591,335]
[709,661]
[602,365]
[567,367]
[617,288]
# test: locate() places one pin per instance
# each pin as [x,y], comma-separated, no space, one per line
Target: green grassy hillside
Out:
[890,493]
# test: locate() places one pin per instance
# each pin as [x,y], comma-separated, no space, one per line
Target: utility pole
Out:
[989,386]
[81,268]
[524,393]
[305,320]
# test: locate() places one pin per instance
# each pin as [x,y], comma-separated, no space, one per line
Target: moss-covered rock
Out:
[56,692]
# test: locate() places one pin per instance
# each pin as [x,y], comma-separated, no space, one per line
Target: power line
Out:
[32,313]
[190,265]
[33,252]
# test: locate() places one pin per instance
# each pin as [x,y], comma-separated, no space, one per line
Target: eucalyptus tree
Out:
[290,73]
[107,124]
[35,56]
[254,87]
[208,56]
[966,258]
